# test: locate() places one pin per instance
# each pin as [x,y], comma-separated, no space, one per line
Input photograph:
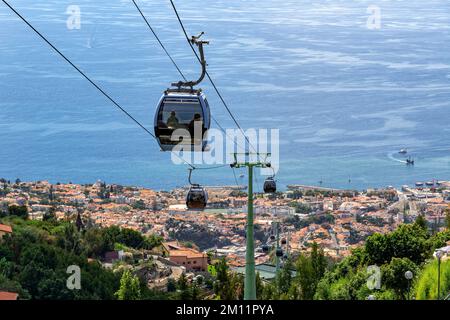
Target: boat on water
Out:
[429,183]
[419,184]
[410,161]
[403,151]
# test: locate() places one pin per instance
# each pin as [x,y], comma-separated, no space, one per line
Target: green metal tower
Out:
[277,258]
[250,274]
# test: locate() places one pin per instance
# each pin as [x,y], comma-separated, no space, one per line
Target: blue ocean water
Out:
[345,98]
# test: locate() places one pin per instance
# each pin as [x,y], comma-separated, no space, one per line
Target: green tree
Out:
[426,285]
[222,285]
[19,211]
[35,260]
[139,205]
[129,287]
[408,241]
[13,286]
[310,270]
[438,240]
[319,262]
[97,243]
[183,287]
[171,285]
[393,276]
[407,248]
[259,287]
[284,278]
[301,207]
[50,215]
[228,285]
[6,267]
[269,292]
[131,238]
[195,292]
[70,239]
[305,278]
[421,222]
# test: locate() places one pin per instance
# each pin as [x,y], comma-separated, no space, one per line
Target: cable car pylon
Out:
[250,274]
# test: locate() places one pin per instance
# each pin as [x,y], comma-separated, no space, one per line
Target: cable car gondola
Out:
[265,248]
[270,186]
[183,115]
[279,252]
[283,241]
[197,197]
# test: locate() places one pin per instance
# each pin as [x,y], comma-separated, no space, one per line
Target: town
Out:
[290,221]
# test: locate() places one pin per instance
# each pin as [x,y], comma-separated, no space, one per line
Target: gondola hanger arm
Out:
[190,176]
[195,40]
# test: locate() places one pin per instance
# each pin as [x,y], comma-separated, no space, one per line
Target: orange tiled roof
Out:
[186,253]
[8,295]
[5,228]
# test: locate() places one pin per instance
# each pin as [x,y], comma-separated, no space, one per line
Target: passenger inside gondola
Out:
[195,122]
[173,122]
[178,114]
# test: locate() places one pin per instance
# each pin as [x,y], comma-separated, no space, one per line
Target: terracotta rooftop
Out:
[176,250]
[5,228]
[8,295]
[186,253]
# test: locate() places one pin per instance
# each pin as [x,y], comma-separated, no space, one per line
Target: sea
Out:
[348,84]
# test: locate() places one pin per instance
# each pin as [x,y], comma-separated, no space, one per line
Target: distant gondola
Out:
[279,252]
[270,186]
[197,198]
[283,241]
[265,248]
